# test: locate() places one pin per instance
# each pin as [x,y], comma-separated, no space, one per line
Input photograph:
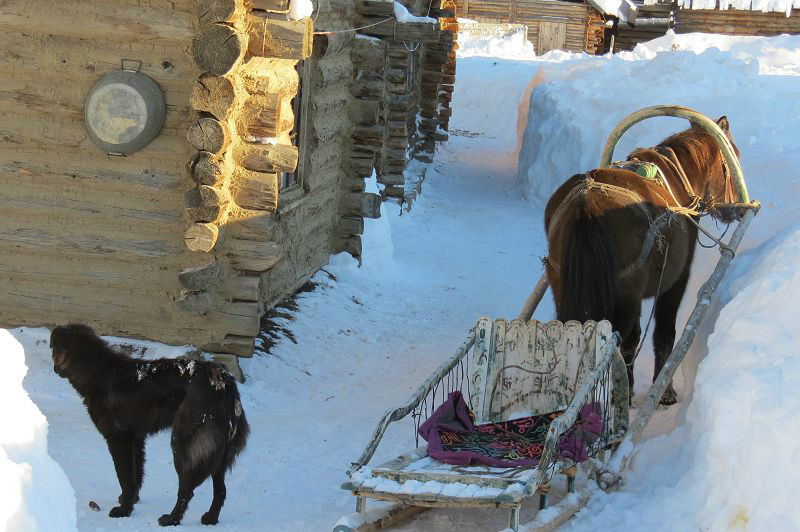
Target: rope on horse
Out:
[643,336]
[695,209]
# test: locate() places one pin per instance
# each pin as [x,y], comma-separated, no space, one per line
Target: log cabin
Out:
[171,169]
[739,17]
[574,26]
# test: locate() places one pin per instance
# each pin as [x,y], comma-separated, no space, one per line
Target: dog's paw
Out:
[120,511]
[168,520]
[209,518]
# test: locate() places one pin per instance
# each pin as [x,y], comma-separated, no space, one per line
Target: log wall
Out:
[170,243]
[728,22]
[583,24]
[400,96]
[84,236]
[189,240]
[736,22]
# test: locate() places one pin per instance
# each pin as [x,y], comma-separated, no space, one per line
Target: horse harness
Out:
[653,172]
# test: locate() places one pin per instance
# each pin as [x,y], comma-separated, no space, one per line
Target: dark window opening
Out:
[289,180]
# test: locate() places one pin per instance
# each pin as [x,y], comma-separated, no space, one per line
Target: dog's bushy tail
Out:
[240,428]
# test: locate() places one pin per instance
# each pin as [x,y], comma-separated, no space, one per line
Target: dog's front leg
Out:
[122,449]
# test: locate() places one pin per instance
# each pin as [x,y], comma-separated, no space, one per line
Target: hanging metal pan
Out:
[124,112]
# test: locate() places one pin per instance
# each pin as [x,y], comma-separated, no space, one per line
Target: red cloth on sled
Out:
[453,438]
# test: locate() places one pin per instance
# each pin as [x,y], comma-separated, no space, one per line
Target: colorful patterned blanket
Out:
[453,438]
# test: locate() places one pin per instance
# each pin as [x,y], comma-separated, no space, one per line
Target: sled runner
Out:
[522,403]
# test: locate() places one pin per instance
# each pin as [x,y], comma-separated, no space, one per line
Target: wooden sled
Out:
[503,368]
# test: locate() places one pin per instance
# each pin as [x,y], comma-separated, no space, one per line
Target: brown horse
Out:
[615,238]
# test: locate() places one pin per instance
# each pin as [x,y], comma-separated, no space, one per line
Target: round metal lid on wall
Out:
[124,112]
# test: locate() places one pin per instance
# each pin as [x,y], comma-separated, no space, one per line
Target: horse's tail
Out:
[588,269]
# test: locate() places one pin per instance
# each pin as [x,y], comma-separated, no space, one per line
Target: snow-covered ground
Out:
[724,458]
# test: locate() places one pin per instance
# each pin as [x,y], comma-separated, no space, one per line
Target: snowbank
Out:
[35,493]
[508,41]
[729,464]
[584,98]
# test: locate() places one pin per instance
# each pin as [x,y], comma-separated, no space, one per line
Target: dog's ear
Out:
[58,336]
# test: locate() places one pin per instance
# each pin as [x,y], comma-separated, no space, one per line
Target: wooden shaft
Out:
[534,299]
[513,519]
[543,497]
[619,461]
[255,190]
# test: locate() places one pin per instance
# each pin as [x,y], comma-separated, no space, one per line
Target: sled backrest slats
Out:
[530,368]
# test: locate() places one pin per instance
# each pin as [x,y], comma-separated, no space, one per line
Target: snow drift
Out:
[725,465]
[35,492]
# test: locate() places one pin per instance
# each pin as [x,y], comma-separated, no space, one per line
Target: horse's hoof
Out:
[120,511]
[669,397]
[209,519]
[168,520]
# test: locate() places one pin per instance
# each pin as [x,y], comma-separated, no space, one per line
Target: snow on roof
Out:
[765,6]
[403,15]
[625,10]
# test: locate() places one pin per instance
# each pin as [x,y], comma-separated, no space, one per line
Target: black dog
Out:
[129,399]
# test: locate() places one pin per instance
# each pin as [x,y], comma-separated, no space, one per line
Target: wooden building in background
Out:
[744,20]
[574,26]
[180,213]
[654,18]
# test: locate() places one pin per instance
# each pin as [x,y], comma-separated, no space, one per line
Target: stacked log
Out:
[449,24]
[387,60]
[365,111]
[436,84]
[400,123]
[736,21]
[246,51]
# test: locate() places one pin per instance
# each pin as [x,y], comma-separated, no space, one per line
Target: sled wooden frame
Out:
[586,353]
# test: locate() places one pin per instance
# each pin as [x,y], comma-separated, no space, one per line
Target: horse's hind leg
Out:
[628,325]
[666,312]
[211,517]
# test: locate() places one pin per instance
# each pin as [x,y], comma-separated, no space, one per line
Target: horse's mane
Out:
[696,144]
